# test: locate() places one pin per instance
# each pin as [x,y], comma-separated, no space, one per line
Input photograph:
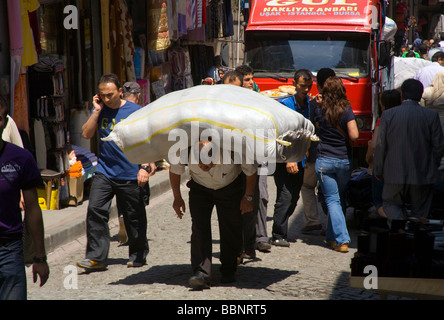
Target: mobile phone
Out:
[99,100]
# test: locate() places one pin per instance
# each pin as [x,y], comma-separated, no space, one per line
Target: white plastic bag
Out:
[241,120]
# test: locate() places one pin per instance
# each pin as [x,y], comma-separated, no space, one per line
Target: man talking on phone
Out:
[115,176]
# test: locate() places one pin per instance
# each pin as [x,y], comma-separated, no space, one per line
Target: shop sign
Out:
[353,12]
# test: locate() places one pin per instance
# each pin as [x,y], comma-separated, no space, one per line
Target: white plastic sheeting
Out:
[232,116]
[406,68]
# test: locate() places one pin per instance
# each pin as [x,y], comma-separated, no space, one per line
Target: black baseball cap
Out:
[131,87]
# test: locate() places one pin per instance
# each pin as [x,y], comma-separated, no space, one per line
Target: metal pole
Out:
[238,32]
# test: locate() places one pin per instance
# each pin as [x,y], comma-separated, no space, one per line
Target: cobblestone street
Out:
[307,270]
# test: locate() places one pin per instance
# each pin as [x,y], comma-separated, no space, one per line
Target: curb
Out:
[73,227]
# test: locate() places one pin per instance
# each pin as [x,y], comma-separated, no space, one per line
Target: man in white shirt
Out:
[224,186]
[426,74]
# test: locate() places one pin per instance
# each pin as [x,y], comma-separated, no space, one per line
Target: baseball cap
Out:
[131,87]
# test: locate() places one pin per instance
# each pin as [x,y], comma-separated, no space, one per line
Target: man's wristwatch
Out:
[39,259]
[249,198]
[146,168]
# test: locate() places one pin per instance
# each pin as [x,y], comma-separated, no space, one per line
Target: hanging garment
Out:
[29,56]
[40,144]
[129,51]
[173,19]
[34,23]
[191,14]
[106,44]
[21,114]
[159,38]
[15,28]
[227,25]
[181,17]
[117,41]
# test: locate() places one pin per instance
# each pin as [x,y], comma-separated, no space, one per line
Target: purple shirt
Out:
[18,171]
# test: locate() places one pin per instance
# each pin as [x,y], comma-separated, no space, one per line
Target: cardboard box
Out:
[75,190]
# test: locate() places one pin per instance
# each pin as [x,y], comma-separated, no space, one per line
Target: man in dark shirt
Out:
[18,174]
[408,150]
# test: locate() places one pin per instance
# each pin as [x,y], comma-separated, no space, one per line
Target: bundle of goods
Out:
[265,130]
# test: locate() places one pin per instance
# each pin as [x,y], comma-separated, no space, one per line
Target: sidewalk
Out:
[68,224]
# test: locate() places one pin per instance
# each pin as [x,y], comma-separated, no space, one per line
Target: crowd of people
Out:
[405,172]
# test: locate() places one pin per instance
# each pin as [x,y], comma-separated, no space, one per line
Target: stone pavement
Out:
[66,225]
[307,270]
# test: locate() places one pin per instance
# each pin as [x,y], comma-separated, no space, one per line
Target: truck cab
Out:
[344,35]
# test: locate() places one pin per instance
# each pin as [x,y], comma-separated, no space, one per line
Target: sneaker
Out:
[199,281]
[311,228]
[91,265]
[263,246]
[134,264]
[280,243]
[341,248]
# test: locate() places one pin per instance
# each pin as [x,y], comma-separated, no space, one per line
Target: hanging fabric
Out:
[181,17]
[29,56]
[173,19]
[159,38]
[129,51]
[106,40]
[227,25]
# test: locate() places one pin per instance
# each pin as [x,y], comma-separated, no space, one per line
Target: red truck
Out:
[282,36]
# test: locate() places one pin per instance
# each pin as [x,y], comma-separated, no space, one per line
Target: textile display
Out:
[145,89]
[29,56]
[21,114]
[106,35]
[121,32]
[159,34]
[144,136]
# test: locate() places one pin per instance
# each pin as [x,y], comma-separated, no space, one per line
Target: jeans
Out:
[333,176]
[129,196]
[12,271]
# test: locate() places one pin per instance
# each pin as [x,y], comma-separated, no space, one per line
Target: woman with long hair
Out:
[337,132]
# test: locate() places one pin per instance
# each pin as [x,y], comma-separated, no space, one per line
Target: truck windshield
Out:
[280,53]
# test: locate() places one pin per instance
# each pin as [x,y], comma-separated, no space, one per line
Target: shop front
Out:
[50,74]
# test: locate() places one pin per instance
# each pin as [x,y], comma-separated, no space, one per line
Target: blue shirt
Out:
[291,103]
[112,161]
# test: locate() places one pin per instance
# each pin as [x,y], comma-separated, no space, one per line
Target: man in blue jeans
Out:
[18,174]
[115,176]
[289,177]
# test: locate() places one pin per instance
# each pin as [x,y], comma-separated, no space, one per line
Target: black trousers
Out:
[288,187]
[129,196]
[227,202]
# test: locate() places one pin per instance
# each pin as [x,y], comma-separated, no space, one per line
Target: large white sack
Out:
[406,68]
[176,121]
